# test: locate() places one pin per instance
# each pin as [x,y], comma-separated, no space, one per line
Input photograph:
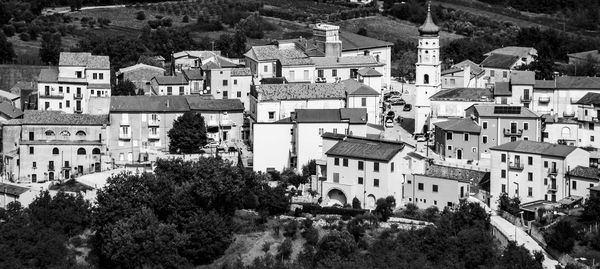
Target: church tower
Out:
[428,71]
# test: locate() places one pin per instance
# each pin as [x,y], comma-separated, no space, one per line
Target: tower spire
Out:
[429,27]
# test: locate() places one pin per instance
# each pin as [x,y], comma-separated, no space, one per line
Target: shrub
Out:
[561,237]
[9,30]
[154,24]
[166,22]
[431,214]
[356,228]
[186,19]
[285,249]
[307,223]
[363,244]
[385,208]
[266,247]
[510,205]
[276,229]
[25,36]
[290,229]
[311,235]
[411,210]
[140,15]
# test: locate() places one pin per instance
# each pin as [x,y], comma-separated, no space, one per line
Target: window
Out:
[336,161]
[503,187]
[449,147]
[181,90]
[235,82]
[94,76]
[81,151]
[49,133]
[271,115]
[321,131]
[60,89]
[225,82]
[503,157]
[78,74]
[96,151]
[80,133]
[363,101]
[503,173]
[504,74]
[34,164]
[529,191]
[345,162]
[334,72]
[375,167]
[466,137]
[31,150]
[545,181]
[101,76]
[60,105]
[361,165]
[67,103]
[266,69]
[484,139]
[449,136]
[33,178]
[305,75]
[239,94]
[585,112]
[530,160]
[169,90]
[426,79]
[525,126]
[591,126]
[492,73]
[591,138]
[545,164]
[530,176]
[320,73]
[434,188]
[336,177]
[353,73]
[292,75]
[392,167]
[335,130]
[55,151]
[452,81]
[376,183]
[361,180]
[420,186]
[574,185]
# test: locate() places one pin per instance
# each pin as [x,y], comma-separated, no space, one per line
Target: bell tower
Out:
[428,71]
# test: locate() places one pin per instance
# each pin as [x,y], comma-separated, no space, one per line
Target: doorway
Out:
[459,154]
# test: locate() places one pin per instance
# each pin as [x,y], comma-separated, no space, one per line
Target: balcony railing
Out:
[544,99]
[516,166]
[568,114]
[525,99]
[125,123]
[153,123]
[212,123]
[552,187]
[78,96]
[66,167]
[153,135]
[227,122]
[52,95]
[552,171]
[126,136]
[510,132]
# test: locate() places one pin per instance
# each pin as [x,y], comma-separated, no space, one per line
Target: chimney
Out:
[329,35]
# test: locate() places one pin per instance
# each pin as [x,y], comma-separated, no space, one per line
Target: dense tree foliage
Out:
[50,51]
[561,236]
[7,53]
[188,134]
[125,88]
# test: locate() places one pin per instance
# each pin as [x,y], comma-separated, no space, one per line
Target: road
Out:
[62,10]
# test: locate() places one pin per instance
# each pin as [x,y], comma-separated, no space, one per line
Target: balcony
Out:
[552,187]
[153,136]
[78,96]
[50,167]
[52,95]
[66,167]
[515,166]
[544,99]
[510,132]
[126,136]
[153,123]
[125,123]
[78,110]
[212,123]
[227,122]
[568,114]
[552,171]
[525,99]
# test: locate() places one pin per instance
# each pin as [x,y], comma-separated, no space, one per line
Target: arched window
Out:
[96,151]
[426,79]
[80,133]
[49,133]
[65,133]
[81,151]
[55,151]
[566,132]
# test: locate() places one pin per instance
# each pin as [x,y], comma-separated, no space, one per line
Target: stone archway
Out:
[337,197]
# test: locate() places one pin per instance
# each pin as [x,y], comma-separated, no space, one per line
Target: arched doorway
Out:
[371,202]
[336,197]
[459,154]
[51,176]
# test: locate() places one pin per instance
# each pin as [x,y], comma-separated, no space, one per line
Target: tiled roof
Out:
[459,125]
[139,66]
[520,52]
[454,173]
[52,117]
[333,136]
[218,63]
[9,95]
[300,91]
[376,126]
[241,72]
[287,56]
[475,68]
[352,115]
[501,61]
[540,148]
[583,83]
[84,59]
[275,80]
[171,80]
[498,111]
[202,54]
[210,66]
[586,172]
[12,189]
[98,86]
[49,74]
[545,84]
[502,88]
[416,155]
[198,103]
[363,148]
[522,77]
[146,103]
[359,60]
[354,87]
[369,72]
[590,98]
[193,74]
[352,41]
[464,94]
[9,110]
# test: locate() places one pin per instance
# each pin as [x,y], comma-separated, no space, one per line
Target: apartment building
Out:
[363,168]
[195,78]
[452,103]
[170,85]
[440,186]
[193,59]
[560,96]
[294,141]
[534,170]
[335,69]
[139,125]
[581,179]
[588,110]
[517,91]
[54,145]
[78,77]
[228,82]
[564,131]
[465,74]
[458,139]
[282,60]
[140,74]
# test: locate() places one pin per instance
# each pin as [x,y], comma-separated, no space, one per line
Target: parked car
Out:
[390,115]
[391,94]
[397,101]
[211,143]
[389,123]
[421,138]
[407,107]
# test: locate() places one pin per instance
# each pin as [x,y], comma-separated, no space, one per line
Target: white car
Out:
[421,138]
[211,143]
[389,123]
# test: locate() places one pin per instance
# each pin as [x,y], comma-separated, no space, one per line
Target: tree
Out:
[356,203]
[562,236]
[140,15]
[125,88]
[51,47]
[510,205]
[385,208]
[517,257]
[188,134]
[7,54]
[362,31]
[591,209]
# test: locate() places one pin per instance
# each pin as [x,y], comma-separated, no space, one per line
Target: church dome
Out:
[429,27]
